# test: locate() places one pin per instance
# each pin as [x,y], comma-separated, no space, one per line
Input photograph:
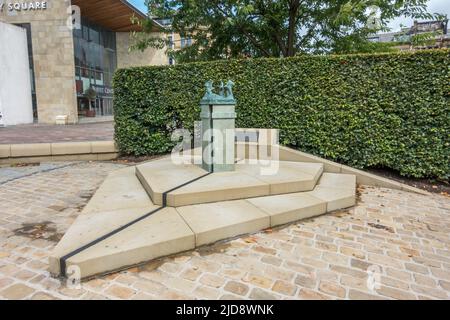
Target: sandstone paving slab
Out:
[291,207]
[287,177]
[119,200]
[162,175]
[334,180]
[120,190]
[338,190]
[220,220]
[334,197]
[160,234]
[90,227]
[220,186]
[187,184]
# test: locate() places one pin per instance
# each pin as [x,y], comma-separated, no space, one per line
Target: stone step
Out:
[161,234]
[121,199]
[120,190]
[333,192]
[216,221]
[338,190]
[162,177]
[220,220]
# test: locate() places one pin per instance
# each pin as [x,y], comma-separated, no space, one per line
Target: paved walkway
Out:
[8,173]
[38,133]
[392,245]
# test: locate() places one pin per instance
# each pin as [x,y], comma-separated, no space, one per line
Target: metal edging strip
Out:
[211,126]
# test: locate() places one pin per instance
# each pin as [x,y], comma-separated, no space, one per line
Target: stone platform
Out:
[247,181]
[158,208]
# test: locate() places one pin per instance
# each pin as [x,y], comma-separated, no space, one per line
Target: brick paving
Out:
[11,173]
[40,133]
[391,245]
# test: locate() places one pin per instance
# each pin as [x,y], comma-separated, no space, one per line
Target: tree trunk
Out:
[293,10]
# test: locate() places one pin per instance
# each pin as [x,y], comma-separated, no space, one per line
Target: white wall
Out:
[15,85]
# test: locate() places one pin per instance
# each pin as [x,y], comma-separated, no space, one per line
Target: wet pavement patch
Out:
[41,230]
[382,227]
[20,165]
[340,213]
[57,208]
[214,249]
[86,194]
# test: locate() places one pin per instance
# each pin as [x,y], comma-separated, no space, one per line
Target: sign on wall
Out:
[103,91]
[24,6]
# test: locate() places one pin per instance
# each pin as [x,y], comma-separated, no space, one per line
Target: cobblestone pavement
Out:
[41,133]
[392,245]
[8,174]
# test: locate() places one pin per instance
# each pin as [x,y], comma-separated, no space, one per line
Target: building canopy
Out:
[112,14]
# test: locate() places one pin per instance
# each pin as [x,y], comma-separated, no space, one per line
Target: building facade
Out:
[74,48]
[421,35]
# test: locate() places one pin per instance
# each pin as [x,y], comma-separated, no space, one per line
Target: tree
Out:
[271,28]
[364,46]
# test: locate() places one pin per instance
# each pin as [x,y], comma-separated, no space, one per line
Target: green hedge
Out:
[378,110]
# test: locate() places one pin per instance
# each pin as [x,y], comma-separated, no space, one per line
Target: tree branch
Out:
[280,43]
[308,34]
[255,42]
[276,35]
[247,34]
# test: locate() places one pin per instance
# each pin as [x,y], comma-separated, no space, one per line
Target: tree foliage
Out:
[272,28]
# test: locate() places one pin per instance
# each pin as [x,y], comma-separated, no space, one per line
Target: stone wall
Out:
[137,58]
[53,58]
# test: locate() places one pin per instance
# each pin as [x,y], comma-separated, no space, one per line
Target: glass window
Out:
[95,63]
[85,32]
[94,35]
[186,42]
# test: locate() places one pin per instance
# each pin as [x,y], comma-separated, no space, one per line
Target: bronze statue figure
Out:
[225,92]
[229,90]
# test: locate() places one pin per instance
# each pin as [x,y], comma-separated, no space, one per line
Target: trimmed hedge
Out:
[379,110]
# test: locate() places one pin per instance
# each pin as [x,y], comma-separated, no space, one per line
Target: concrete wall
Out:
[137,58]
[15,86]
[53,58]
